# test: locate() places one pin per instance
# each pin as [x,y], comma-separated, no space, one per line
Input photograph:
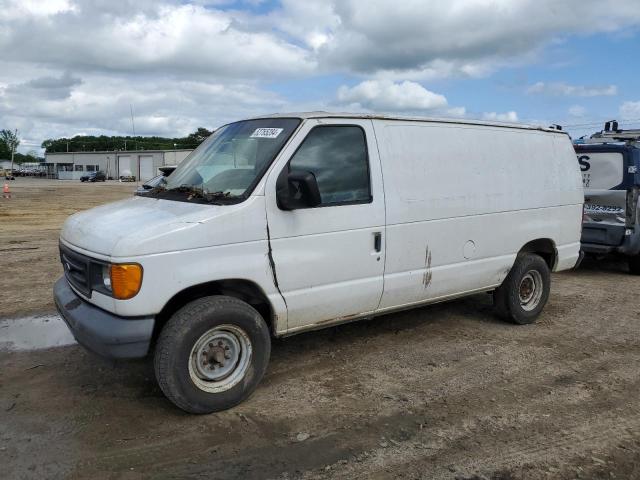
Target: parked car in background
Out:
[127,176]
[288,223]
[29,172]
[9,175]
[155,181]
[610,164]
[94,177]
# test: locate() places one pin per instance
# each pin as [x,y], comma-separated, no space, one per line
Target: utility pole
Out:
[13,148]
[133,125]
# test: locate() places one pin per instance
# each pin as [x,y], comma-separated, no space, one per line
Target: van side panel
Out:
[462,200]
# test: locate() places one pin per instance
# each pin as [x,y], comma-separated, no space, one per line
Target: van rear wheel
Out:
[211,354]
[525,290]
[634,265]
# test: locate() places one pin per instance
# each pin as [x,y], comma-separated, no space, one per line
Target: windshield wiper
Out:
[217,196]
[220,195]
[186,189]
[198,193]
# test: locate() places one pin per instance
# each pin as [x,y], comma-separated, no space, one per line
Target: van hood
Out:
[143,226]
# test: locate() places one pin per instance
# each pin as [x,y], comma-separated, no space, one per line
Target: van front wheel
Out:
[211,354]
[525,290]
[634,264]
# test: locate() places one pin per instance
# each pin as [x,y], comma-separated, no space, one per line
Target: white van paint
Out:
[453,201]
[480,189]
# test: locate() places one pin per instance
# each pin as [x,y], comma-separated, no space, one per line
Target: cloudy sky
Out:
[71,67]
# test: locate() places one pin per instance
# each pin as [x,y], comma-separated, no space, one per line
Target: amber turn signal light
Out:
[126,279]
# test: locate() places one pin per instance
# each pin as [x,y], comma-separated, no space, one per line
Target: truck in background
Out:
[610,165]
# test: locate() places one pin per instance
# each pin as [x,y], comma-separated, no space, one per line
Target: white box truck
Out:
[287,223]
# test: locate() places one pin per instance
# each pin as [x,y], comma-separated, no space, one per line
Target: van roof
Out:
[378,116]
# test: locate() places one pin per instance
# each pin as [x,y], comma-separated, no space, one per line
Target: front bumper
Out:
[101,332]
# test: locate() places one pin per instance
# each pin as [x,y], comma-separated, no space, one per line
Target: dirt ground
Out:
[30,224]
[442,392]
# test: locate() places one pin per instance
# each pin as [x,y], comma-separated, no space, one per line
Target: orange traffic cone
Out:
[6,193]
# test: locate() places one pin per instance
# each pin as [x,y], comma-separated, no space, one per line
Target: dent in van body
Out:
[272,264]
[428,273]
[274,276]
[606,207]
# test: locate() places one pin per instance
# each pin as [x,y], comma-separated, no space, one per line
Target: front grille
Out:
[77,270]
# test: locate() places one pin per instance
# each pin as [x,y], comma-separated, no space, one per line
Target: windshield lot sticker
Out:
[266,133]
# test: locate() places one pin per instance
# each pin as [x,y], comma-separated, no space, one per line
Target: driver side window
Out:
[337,156]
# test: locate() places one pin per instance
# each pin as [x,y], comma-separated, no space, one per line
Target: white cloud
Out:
[577,111]
[43,88]
[510,116]
[100,104]
[564,89]
[312,22]
[178,40]
[428,39]
[630,110]
[468,37]
[16,10]
[385,95]
[75,65]
[458,112]
[408,40]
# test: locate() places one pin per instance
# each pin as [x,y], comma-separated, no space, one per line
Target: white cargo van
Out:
[282,224]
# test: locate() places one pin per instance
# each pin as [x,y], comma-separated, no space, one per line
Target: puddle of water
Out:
[34,333]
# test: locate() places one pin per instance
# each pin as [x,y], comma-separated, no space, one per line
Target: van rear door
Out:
[607,179]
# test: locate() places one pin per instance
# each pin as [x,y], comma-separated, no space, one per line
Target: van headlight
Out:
[106,277]
[125,280]
[121,281]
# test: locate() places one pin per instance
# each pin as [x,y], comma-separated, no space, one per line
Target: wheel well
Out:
[241,289]
[544,247]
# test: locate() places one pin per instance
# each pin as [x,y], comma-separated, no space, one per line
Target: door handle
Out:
[377,241]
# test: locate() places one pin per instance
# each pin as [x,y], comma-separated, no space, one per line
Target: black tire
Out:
[190,326]
[634,265]
[507,299]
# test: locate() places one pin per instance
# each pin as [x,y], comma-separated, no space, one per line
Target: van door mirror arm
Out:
[297,189]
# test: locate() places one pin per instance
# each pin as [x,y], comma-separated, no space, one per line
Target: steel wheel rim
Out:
[220,358]
[530,290]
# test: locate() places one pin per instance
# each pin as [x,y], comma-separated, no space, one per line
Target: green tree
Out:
[5,152]
[89,143]
[200,135]
[11,142]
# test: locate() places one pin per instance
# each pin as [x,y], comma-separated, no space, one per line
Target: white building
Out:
[142,164]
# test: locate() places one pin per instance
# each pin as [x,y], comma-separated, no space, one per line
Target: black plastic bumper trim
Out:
[102,332]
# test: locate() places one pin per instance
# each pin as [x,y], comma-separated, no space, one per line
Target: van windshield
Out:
[228,165]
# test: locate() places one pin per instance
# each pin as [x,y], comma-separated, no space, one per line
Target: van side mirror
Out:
[297,189]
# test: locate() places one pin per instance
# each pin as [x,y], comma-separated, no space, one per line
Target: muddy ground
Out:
[30,224]
[442,392]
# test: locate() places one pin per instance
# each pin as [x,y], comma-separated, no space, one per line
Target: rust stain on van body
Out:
[428,274]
